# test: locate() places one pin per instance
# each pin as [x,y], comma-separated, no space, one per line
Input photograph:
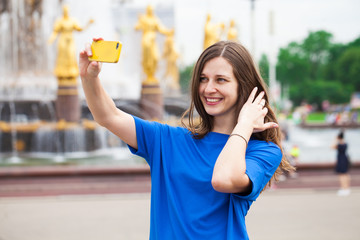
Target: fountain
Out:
[32,130]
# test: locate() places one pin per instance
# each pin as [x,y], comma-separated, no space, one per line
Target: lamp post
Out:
[252,26]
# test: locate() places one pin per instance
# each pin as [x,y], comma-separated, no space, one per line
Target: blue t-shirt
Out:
[184,204]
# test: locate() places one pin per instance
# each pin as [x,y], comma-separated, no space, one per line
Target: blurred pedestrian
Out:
[342,164]
[294,159]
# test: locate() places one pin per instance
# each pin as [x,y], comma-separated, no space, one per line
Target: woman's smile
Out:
[212,101]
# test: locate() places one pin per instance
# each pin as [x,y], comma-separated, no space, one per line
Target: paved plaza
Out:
[289,214]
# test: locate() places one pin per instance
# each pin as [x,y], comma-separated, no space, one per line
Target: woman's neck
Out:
[224,125]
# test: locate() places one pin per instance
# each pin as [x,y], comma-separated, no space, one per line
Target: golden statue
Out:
[150,25]
[66,68]
[212,32]
[171,55]
[232,32]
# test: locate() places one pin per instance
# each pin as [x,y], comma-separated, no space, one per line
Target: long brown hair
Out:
[248,77]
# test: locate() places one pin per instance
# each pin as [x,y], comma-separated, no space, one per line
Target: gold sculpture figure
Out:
[149,24]
[232,34]
[212,32]
[66,68]
[171,55]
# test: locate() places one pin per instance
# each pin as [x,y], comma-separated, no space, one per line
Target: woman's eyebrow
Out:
[221,75]
[217,76]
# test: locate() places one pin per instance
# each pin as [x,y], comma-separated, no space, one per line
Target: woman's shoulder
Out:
[256,143]
[161,126]
[264,149]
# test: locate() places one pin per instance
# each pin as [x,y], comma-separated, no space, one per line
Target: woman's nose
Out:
[210,87]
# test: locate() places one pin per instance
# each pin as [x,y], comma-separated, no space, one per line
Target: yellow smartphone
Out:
[105,51]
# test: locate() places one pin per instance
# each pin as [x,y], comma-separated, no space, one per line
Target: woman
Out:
[342,165]
[206,175]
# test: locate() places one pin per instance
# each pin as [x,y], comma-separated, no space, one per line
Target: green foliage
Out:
[334,53]
[315,92]
[355,43]
[317,69]
[264,68]
[185,78]
[348,67]
[292,67]
[316,49]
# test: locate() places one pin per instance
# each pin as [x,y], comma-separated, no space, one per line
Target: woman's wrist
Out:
[245,124]
[244,129]
[241,136]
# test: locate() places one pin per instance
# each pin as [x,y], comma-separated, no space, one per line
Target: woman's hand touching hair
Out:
[253,113]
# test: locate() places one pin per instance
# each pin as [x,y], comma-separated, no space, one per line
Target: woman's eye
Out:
[221,80]
[203,79]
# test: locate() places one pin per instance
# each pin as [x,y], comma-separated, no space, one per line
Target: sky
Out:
[293,20]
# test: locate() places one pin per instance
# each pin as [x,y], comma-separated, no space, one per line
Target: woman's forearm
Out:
[99,102]
[229,170]
[101,105]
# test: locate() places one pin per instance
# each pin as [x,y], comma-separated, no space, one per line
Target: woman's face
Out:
[218,88]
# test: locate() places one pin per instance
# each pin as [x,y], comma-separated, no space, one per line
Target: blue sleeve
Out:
[262,160]
[146,133]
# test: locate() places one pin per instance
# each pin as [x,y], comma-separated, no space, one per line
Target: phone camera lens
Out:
[117,45]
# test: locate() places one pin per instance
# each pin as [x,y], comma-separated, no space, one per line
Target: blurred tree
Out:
[355,43]
[334,53]
[316,48]
[185,77]
[264,68]
[348,68]
[317,69]
[315,92]
[292,67]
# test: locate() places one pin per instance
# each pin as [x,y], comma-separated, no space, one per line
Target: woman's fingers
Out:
[259,98]
[262,103]
[88,49]
[254,110]
[83,61]
[94,68]
[270,125]
[87,68]
[83,54]
[265,126]
[252,95]
[98,39]
[264,111]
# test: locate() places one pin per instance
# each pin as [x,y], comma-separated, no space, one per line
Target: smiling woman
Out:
[205,175]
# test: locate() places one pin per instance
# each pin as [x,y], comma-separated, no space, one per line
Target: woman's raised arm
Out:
[101,105]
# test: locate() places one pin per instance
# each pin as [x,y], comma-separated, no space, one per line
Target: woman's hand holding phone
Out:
[88,69]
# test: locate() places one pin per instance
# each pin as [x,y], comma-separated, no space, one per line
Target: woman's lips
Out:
[212,101]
